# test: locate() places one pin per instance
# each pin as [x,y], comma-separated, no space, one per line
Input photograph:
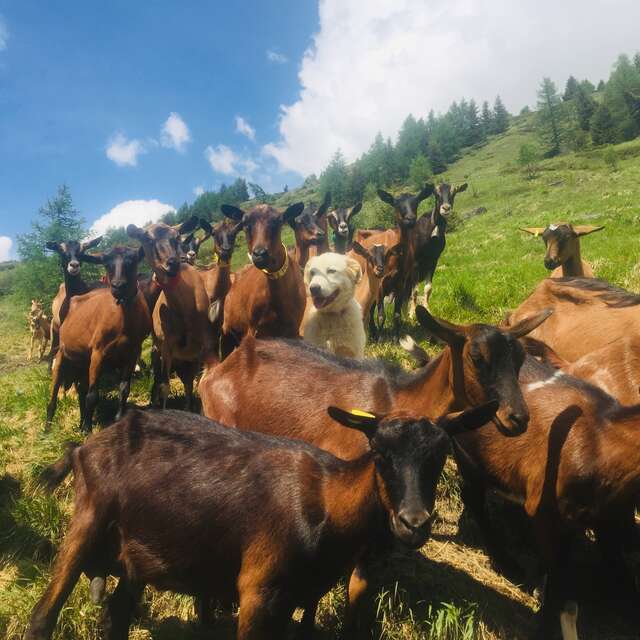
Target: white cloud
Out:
[124,152]
[175,133]
[276,57]
[373,63]
[198,191]
[5,248]
[222,159]
[243,127]
[137,212]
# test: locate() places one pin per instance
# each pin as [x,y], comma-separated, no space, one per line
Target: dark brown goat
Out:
[431,240]
[340,220]
[310,229]
[182,335]
[72,254]
[575,468]
[103,330]
[187,504]
[401,278]
[190,244]
[268,297]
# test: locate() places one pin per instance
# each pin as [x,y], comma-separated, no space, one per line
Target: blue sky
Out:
[75,74]
[135,105]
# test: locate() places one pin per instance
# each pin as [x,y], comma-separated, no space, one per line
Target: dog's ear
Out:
[354,270]
[307,271]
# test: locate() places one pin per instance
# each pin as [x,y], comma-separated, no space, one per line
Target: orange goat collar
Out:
[276,275]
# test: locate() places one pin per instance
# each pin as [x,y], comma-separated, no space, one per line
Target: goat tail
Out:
[53,475]
[414,350]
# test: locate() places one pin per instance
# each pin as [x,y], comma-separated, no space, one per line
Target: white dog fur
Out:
[334,317]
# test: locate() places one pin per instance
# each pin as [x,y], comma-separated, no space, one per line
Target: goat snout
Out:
[191,257]
[550,263]
[445,208]
[260,257]
[73,267]
[414,520]
[513,422]
[343,229]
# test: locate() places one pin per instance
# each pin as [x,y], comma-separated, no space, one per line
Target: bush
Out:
[419,172]
[528,160]
[610,158]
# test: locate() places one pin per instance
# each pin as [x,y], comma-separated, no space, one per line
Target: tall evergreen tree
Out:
[475,129]
[500,116]
[334,179]
[585,106]
[412,141]
[486,118]
[636,61]
[602,126]
[549,117]
[437,158]
[623,83]
[571,89]
[601,86]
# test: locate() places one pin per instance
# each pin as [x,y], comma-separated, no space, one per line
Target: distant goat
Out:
[562,240]
[340,220]
[40,328]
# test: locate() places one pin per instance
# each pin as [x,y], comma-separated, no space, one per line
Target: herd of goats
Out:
[311,461]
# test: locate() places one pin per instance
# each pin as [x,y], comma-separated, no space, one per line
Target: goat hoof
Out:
[97,589]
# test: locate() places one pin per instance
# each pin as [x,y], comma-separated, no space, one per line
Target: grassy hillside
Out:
[446,591]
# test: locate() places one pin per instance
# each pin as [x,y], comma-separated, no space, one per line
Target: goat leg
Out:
[56,381]
[263,614]
[125,386]
[120,609]
[308,623]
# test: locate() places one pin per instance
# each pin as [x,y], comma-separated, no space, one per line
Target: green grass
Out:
[448,590]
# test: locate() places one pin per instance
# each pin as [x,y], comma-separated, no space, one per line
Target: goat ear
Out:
[460,188]
[188,225]
[586,229]
[449,333]
[363,421]
[292,212]
[232,212]
[534,231]
[360,250]
[426,191]
[140,254]
[206,226]
[457,423]
[97,258]
[136,232]
[396,250]
[53,246]
[332,218]
[528,324]
[89,244]
[354,211]
[324,206]
[354,270]
[386,197]
[186,239]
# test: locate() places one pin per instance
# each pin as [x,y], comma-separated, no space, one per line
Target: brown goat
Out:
[182,334]
[589,314]
[374,262]
[268,522]
[575,468]
[266,298]
[72,254]
[562,241]
[310,229]
[40,329]
[103,330]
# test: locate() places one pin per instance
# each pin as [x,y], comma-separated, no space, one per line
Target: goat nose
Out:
[413,520]
[548,263]
[519,420]
[259,252]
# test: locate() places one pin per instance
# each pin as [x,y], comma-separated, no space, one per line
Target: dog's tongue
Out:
[322,301]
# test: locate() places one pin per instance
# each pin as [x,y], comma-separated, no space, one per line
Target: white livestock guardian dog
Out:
[334,318]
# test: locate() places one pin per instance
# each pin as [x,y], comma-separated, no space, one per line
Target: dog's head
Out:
[331,280]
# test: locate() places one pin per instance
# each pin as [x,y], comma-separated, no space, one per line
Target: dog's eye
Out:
[331,270]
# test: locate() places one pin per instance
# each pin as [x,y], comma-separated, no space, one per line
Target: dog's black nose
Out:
[315,290]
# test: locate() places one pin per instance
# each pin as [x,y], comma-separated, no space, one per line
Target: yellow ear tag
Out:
[361,414]
[537,234]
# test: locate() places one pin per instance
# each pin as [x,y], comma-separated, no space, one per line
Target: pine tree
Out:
[585,107]
[500,116]
[474,126]
[486,118]
[549,116]
[334,179]
[412,141]
[419,172]
[601,86]
[602,126]
[437,159]
[571,89]
[636,61]
[587,86]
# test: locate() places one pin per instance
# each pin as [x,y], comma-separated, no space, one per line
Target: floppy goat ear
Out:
[457,423]
[136,232]
[324,206]
[206,226]
[292,212]
[232,212]
[188,225]
[53,246]
[396,250]
[441,329]
[534,231]
[89,244]
[354,270]
[97,258]
[363,421]
[586,229]
[360,250]
[386,197]
[528,324]
[355,211]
